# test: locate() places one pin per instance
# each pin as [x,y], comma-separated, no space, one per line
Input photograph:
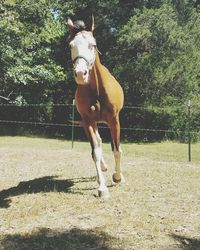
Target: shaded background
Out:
[153,49]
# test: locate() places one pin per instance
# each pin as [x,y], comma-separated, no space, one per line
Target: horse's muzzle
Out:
[81,77]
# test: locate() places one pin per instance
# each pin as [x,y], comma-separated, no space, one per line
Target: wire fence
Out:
[137,123]
[41,122]
[101,127]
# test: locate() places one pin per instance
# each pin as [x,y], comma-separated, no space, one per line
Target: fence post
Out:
[73,108]
[189,134]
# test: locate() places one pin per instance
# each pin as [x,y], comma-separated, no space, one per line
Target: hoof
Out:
[117,180]
[104,194]
[104,168]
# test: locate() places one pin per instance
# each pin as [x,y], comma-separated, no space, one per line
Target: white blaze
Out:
[83,55]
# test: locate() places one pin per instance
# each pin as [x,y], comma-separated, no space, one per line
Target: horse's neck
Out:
[96,76]
[97,61]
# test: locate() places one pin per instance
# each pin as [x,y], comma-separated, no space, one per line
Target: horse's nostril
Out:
[85,73]
[75,74]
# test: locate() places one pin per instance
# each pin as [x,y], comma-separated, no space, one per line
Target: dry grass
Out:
[48,197]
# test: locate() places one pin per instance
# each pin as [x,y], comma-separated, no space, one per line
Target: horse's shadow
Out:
[46,238]
[44,184]
[187,243]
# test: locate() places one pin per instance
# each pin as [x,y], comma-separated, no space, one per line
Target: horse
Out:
[99,98]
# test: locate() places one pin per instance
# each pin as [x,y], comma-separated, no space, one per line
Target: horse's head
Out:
[83,49]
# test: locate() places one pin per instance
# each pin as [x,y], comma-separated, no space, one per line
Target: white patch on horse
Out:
[97,156]
[118,169]
[83,53]
[103,163]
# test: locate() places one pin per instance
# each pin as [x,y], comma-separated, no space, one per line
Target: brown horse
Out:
[99,98]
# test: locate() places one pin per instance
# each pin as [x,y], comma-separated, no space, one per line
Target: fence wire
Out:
[75,125]
[69,125]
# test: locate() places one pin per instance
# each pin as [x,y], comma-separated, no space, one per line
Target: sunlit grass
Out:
[170,151]
[167,150]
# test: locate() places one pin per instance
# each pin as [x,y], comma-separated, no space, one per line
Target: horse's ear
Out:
[91,24]
[70,24]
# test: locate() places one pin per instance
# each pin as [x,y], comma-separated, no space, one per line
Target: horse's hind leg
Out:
[115,143]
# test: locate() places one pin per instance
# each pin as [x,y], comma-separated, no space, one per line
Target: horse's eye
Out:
[91,46]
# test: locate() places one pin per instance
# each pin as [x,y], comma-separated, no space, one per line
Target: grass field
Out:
[48,197]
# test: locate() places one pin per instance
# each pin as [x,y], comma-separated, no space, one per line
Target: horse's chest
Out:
[90,108]
[96,108]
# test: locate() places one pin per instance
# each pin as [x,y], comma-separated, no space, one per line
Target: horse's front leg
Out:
[104,166]
[90,130]
[115,143]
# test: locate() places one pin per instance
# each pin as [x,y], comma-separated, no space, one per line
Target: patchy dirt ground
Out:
[48,199]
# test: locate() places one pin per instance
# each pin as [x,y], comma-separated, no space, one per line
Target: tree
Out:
[29,32]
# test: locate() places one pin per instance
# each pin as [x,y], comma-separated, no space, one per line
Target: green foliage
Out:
[165,52]
[29,31]
[160,60]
